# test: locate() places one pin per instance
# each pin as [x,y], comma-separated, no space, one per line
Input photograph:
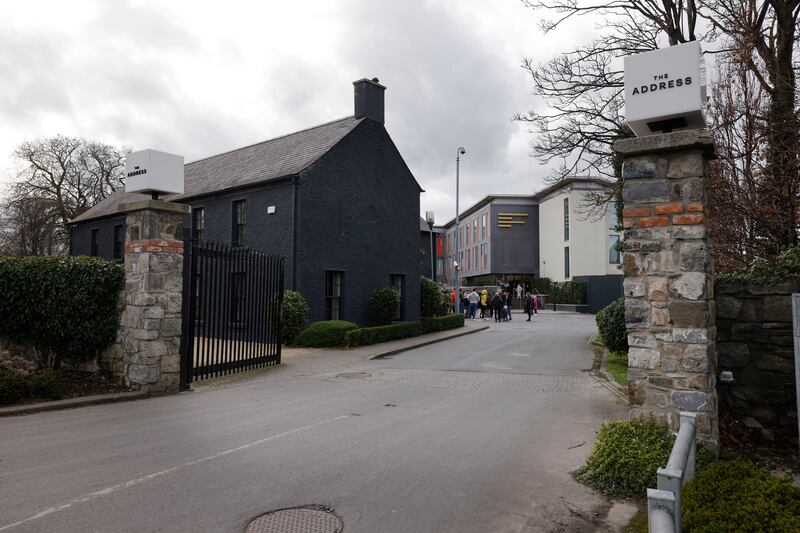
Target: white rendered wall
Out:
[588,238]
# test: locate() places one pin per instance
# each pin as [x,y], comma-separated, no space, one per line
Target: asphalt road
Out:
[475,434]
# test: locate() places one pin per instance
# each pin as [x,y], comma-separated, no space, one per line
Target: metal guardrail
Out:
[664,503]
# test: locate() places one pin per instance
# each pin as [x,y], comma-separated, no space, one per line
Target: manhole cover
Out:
[354,375]
[312,519]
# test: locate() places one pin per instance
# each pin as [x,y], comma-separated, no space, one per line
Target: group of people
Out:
[492,304]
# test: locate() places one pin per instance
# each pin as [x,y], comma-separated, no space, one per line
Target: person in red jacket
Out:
[453,299]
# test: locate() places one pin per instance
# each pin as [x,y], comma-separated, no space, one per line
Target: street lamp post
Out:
[429,219]
[459,153]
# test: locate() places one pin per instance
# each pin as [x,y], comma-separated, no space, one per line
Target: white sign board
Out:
[665,89]
[149,171]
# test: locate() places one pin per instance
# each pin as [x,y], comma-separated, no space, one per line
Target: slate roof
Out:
[257,163]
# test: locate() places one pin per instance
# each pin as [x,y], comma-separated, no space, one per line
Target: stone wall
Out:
[755,343]
[668,285]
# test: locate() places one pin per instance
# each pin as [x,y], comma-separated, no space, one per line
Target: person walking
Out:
[528,305]
[484,303]
[453,299]
[536,304]
[509,302]
[464,302]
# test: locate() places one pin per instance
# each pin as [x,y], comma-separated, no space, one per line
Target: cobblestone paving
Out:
[582,385]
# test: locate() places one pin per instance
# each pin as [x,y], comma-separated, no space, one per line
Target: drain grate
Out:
[354,375]
[308,519]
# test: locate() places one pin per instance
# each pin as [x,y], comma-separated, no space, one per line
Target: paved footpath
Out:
[476,433]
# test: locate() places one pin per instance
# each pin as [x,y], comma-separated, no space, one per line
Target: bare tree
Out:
[30,227]
[763,34]
[68,175]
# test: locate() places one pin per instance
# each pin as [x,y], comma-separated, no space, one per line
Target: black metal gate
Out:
[232,301]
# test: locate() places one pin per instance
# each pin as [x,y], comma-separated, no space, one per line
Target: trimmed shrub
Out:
[739,496]
[12,386]
[47,384]
[611,323]
[429,297]
[67,306]
[325,333]
[442,323]
[366,336]
[627,454]
[383,305]
[294,317]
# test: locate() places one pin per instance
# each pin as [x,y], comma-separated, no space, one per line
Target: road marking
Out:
[139,480]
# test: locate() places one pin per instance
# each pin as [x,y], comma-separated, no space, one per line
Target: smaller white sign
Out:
[665,89]
[149,171]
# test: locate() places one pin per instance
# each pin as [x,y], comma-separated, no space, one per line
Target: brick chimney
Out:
[369,99]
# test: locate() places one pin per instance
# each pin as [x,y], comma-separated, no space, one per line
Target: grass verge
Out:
[617,366]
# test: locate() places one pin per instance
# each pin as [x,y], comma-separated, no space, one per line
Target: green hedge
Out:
[67,306]
[402,330]
[374,335]
[611,323]
[442,323]
[325,333]
[626,455]
[739,496]
[562,292]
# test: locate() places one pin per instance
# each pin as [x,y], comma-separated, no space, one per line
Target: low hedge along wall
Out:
[65,306]
[403,330]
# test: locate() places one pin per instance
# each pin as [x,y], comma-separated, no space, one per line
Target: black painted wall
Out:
[81,237]
[358,212]
[271,233]
[601,290]
[515,250]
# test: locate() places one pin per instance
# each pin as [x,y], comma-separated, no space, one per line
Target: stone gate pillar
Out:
[669,299]
[150,326]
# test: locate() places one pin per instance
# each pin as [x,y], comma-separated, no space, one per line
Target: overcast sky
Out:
[199,78]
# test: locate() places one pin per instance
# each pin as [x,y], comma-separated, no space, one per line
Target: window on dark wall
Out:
[239,237]
[566,219]
[334,281]
[397,282]
[119,242]
[238,298]
[566,262]
[93,245]
[199,223]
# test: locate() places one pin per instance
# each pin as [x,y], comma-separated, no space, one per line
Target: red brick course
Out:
[636,212]
[669,209]
[687,219]
[653,221]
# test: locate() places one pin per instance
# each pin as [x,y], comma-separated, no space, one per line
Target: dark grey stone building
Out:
[336,200]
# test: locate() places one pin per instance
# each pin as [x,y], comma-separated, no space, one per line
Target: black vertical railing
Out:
[231,310]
